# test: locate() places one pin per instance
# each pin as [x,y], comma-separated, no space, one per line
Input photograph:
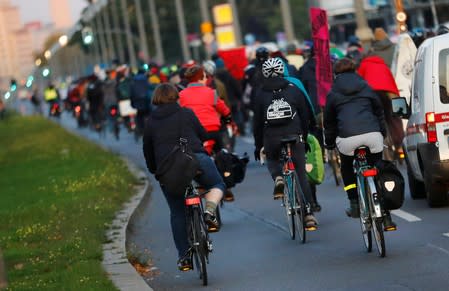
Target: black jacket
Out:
[352,108]
[294,96]
[163,129]
[307,76]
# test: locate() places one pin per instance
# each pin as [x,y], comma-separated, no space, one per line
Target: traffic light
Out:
[13,85]
[46,72]
[87,35]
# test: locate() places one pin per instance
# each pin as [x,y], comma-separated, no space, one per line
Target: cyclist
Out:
[353,117]
[159,139]
[207,106]
[281,110]
[51,96]
[140,93]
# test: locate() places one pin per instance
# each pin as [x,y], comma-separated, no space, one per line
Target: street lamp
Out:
[63,40]
[47,54]
[38,62]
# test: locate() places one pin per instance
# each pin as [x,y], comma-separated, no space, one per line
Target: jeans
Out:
[209,178]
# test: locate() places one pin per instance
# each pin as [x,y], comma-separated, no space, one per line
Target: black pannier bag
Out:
[178,169]
[231,167]
[391,184]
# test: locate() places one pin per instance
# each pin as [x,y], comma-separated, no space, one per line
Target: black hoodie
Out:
[352,108]
[163,129]
[294,96]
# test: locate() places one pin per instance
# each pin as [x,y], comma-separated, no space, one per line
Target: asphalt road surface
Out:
[253,250]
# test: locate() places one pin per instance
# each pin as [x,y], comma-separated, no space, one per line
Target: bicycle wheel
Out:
[379,236]
[200,245]
[288,192]
[364,224]
[300,208]
[335,164]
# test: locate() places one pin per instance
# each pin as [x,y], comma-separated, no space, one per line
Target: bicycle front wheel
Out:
[200,245]
[300,208]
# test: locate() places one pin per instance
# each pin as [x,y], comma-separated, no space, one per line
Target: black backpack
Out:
[232,168]
[280,111]
[391,184]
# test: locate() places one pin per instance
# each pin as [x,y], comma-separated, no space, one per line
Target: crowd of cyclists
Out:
[277,97]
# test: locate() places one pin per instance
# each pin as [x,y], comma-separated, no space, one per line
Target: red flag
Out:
[235,61]
[323,69]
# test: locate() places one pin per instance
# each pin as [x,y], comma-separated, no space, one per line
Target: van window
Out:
[443,75]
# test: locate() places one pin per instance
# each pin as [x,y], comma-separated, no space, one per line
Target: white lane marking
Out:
[446,234]
[443,250]
[405,215]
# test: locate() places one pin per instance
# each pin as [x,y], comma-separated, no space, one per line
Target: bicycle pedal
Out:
[391,228]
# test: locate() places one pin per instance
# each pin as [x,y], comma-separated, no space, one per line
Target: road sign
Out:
[225,36]
[222,14]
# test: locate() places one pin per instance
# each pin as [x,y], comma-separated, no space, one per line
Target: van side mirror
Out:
[400,107]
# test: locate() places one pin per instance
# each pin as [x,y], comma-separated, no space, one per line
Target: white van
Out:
[426,143]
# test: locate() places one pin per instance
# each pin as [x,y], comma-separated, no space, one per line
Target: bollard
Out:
[3,282]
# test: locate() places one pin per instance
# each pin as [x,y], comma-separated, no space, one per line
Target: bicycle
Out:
[200,244]
[293,200]
[333,159]
[371,212]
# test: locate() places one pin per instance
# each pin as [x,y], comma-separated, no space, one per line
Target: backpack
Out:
[280,111]
[390,183]
[314,161]
[231,167]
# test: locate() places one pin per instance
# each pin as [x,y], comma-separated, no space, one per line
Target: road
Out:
[253,251]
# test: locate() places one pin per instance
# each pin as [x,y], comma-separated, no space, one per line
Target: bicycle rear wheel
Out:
[300,208]
[379,236]
[364,224]
[200,245]
[288,206]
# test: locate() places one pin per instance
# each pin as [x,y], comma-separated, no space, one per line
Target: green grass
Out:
[58,193]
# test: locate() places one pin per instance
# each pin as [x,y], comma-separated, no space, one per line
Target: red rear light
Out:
[113,111]
[78,109]
[370,172]
[291,166]
[193,201]
[431,127]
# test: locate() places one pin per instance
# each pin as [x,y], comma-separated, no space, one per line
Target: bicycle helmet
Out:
[209,67]
[262,54]
[273,67]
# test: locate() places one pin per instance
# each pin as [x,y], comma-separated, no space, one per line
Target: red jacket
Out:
[205,104]
[374,70]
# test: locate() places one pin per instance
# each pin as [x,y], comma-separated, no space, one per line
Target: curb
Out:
[115,260]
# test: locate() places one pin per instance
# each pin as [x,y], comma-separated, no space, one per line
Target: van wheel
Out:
[417,190]
[436,192]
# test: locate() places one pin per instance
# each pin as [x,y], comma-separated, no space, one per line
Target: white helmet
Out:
[209,67]
[273,67]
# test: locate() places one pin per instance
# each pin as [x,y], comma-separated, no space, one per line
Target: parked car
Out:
[426,143]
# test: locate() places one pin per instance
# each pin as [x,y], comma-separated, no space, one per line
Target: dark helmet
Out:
[262,54]
[442,29]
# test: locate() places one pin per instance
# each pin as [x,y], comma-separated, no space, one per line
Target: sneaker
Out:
[311,223]
[211,221]
[353,210]
[185,263]
[389,225]
[228,196]
[278,191]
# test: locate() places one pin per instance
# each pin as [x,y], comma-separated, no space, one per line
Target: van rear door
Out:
[441,94]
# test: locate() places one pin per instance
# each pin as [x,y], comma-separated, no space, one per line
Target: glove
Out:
[257,154]
[227,119]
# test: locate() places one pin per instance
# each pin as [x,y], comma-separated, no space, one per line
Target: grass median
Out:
[58,194]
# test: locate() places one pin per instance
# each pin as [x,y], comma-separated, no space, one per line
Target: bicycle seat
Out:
[290,139]
[364,150]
